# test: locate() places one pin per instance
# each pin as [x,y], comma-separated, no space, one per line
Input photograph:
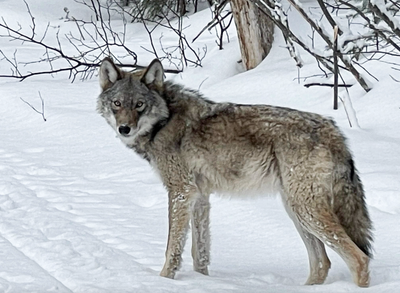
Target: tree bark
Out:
[255,32]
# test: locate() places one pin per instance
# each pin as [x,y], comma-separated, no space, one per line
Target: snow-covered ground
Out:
[81,213]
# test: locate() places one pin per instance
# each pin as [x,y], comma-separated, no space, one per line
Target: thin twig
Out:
[34,109]
[307,85]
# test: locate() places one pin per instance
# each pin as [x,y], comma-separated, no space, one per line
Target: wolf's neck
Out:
[187,104]
[184,101]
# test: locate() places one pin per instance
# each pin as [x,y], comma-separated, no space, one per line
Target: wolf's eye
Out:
[117,103]
[139,105]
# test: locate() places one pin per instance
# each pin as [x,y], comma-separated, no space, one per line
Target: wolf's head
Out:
[131,102]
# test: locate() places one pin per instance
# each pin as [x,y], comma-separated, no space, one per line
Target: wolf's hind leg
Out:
[327,228]
[318,259]
[201,234]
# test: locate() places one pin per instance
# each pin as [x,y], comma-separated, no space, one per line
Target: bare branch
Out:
[34,109]
[280,20]
[93,42]
[307,85]
[335,68]
[328,16]
[330,44]
[383,15]
[216,20]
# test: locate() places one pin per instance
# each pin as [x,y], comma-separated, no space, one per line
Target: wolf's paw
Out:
[362,279]
[167,273]
[315,281]
[203,271]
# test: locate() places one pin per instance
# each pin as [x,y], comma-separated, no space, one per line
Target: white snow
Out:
[79,212]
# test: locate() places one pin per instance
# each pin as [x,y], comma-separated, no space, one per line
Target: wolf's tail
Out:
[350,207]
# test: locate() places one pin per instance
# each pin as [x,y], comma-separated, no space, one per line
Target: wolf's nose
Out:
[124,129]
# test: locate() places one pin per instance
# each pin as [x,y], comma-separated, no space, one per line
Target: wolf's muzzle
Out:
[124,130]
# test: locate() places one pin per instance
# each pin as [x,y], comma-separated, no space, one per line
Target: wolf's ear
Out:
[154,76]
[109,73]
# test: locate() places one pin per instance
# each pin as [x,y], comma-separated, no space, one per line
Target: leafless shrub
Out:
[378,37]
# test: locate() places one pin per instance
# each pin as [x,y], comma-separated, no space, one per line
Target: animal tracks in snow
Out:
[53,222]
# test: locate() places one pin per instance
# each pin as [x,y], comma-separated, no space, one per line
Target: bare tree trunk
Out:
[255,32]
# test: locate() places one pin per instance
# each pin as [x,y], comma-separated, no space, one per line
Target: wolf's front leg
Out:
[201,234]
[179,216]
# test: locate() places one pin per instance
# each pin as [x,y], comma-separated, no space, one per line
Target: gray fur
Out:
[200,147]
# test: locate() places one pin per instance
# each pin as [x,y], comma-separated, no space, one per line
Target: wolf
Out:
[199,147]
